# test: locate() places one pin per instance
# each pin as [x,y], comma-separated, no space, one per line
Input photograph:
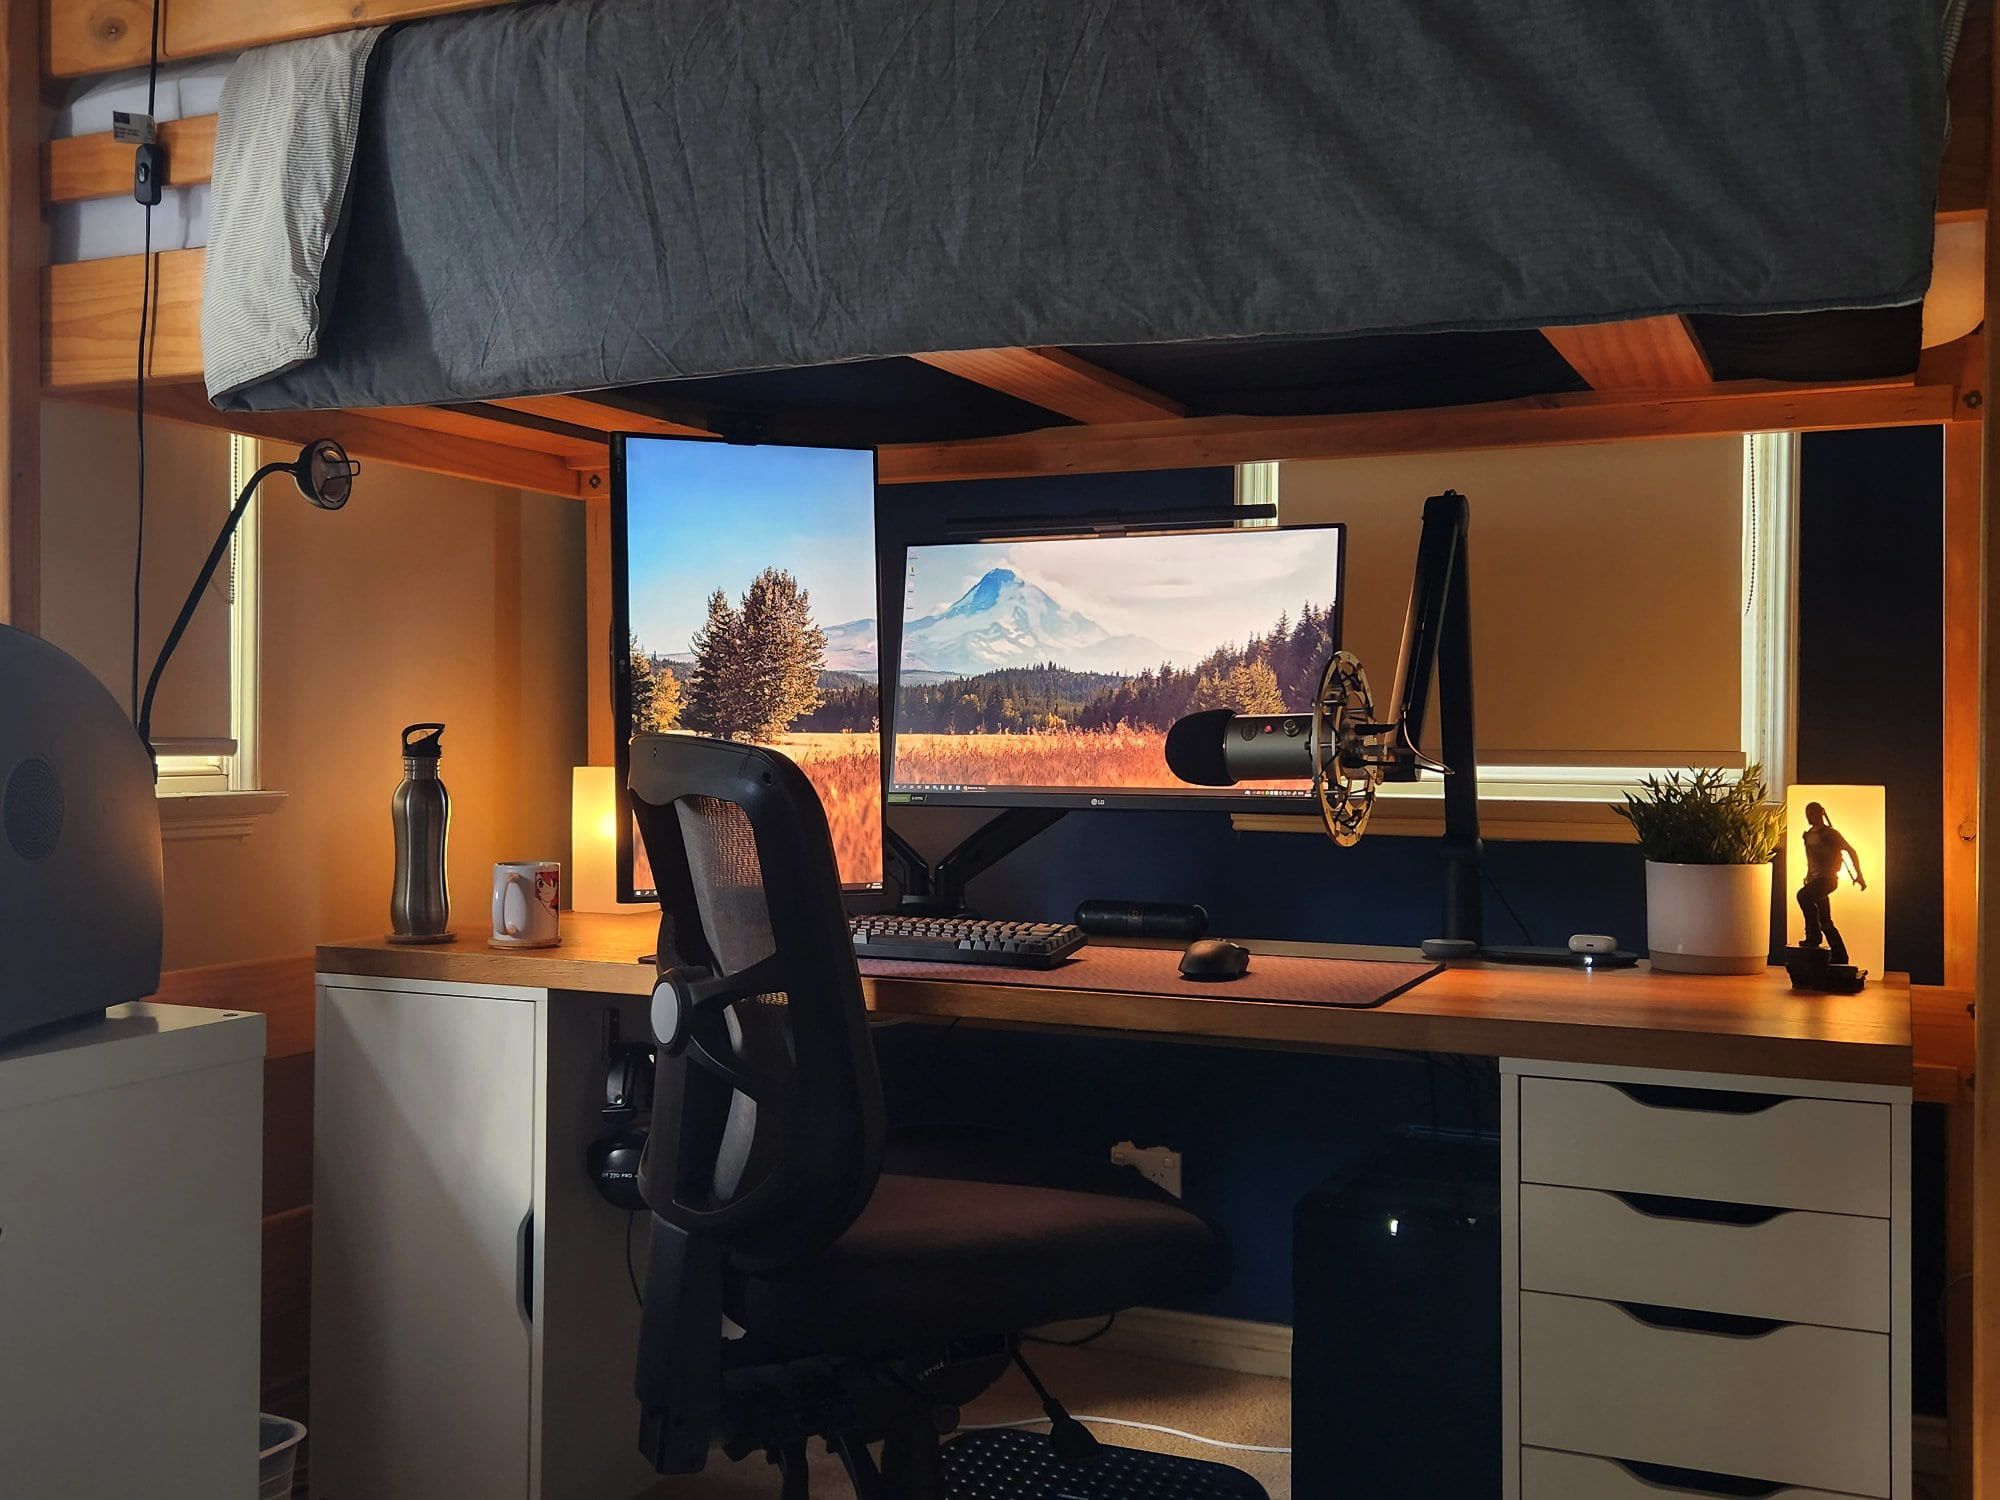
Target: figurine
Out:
[1828,857]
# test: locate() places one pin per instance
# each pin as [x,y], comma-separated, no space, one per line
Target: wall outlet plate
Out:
[1159,1165]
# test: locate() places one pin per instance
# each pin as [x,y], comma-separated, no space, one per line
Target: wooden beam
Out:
[101,36]
[599,415]
[1057,381]
[22,250]
[90,321]
[1640,354]
[1538,421]
[376,436]
[1986,1018]
[100,166]
[1963,442]
[488,424]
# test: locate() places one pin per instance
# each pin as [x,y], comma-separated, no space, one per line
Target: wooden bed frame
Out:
[71,331]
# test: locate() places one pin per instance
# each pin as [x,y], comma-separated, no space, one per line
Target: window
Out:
[1631,603]
[205,758]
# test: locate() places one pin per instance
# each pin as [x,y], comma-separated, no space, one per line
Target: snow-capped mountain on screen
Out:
[1004,620]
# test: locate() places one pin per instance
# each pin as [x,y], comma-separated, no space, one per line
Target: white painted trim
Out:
[1189,1338]
[215,815]
[429,987]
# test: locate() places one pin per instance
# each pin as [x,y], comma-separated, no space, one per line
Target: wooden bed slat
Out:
[101,36]
[1057,381]
[100,166]
[1591,417]
[1640,354]
[490,425]
[599,415]
[376,435]
[90,321]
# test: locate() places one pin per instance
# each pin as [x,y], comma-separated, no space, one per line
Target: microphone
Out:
[1337,746]
[1221,748]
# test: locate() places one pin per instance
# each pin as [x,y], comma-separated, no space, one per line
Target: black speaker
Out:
[1156,919]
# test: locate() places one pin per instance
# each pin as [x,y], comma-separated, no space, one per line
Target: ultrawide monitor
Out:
[1045,673]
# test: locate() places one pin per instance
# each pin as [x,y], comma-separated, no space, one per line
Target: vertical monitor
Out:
[744,606]
[1046,673]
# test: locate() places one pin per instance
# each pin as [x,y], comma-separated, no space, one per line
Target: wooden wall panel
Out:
[1962,444]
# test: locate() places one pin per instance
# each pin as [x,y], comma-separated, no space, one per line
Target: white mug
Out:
[527,902]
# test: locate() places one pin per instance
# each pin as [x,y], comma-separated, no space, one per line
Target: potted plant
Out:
[1709,839]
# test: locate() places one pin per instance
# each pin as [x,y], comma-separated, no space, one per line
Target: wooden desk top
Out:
[1632,1018]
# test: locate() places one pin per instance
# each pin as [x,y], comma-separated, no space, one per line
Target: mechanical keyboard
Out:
[965,940]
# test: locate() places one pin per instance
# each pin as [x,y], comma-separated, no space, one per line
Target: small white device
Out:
[1592,942]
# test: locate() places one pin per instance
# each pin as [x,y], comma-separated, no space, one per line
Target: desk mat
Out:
[1352,983]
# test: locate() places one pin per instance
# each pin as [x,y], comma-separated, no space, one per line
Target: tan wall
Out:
[426,598]
[1606,587]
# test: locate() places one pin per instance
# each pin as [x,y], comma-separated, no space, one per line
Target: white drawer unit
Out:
[1705,1285]
[1798,1267]
[1831,1155]
[1795,1403]
[1549,1475]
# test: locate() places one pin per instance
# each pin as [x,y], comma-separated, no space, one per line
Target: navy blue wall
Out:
[1260,1128]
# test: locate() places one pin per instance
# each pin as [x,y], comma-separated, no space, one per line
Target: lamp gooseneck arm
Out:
[201,582]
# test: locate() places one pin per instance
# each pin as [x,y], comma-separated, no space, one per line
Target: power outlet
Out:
[1159,1165]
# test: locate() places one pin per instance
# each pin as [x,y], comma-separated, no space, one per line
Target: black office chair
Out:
[874,1303]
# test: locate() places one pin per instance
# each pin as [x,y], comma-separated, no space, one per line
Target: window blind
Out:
[1607,591]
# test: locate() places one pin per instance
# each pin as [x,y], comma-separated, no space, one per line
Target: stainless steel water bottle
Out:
[420,906]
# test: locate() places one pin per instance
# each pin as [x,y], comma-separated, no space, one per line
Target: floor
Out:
[1090,1382]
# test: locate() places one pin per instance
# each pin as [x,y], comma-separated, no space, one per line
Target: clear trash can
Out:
[278,1441]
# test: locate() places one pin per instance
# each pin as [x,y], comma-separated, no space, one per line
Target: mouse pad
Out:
[1354,983]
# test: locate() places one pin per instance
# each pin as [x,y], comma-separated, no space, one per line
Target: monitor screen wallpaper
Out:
[749,589]
[1049,671]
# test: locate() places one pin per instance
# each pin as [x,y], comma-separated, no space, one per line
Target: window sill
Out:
[1528,819]
[214,815]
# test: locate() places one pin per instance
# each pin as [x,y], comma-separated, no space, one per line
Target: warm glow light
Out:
[1857,813]
[593,832]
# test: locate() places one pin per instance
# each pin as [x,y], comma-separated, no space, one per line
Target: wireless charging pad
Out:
[1560,958]
[1022,1466]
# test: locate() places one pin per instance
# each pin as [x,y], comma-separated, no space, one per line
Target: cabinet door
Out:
[423,1182]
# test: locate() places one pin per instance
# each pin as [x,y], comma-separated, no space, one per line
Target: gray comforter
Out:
[588,193]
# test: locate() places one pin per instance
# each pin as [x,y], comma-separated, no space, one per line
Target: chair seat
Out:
[935,1258]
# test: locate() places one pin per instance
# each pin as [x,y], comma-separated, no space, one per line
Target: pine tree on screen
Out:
[716,699]
[783,651]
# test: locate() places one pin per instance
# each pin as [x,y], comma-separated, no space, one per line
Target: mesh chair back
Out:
[767,1115]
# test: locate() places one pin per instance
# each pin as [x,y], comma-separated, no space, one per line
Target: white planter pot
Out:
[1709,919]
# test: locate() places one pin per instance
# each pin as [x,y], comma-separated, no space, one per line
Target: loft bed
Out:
[992,412]
[69,329]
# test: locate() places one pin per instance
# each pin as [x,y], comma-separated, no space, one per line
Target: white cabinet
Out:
[1707,1277]
[131,1186]
[474,1330]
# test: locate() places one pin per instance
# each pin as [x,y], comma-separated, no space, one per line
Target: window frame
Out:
[1576,801]
[216,772]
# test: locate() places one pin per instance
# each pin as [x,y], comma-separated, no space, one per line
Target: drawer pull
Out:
[1687,1320]
[1709,1101]
[1697,1481]
[1700,1210]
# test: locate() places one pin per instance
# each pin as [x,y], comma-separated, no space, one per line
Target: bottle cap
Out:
[426,745]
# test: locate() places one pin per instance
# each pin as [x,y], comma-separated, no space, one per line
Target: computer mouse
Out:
[1215,958]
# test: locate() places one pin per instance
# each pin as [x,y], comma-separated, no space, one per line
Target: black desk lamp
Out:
[325,476]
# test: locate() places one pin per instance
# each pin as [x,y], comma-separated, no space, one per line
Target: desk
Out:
[1623,1018]
[460,1250]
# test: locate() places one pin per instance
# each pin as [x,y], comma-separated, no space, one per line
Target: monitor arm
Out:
[1437,639]
[939,890]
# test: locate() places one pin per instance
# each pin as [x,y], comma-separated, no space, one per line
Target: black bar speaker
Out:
[1149,919]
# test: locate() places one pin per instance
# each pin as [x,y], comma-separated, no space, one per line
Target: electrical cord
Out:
[1192,1437]
[139,388]
[630,1274]
[1089,1338]
[1526,936]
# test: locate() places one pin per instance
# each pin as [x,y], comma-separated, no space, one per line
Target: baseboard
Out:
[1191,1339]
